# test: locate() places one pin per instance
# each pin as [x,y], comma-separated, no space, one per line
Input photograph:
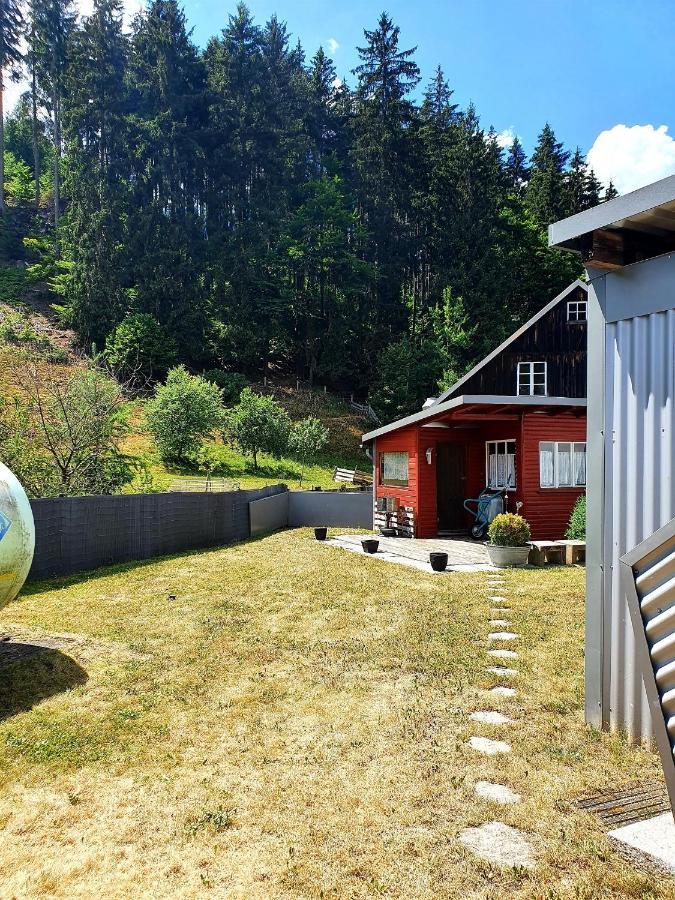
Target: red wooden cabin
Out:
[516,421]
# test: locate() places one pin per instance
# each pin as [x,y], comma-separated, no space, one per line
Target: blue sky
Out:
[602,72]
[584,66]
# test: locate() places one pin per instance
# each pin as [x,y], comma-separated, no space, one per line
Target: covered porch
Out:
[427,465]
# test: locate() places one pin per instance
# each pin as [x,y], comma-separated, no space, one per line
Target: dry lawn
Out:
[294,724]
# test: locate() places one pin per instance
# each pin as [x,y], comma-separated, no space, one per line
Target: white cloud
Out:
[332,45]
[505,138]
[632,155]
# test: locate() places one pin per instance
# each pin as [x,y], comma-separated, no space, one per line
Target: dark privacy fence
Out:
[75,534]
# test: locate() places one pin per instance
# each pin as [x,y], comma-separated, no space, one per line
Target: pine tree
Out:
[11,28]
[546,195]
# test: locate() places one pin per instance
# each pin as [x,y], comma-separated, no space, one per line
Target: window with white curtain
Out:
[532,379]
[562,464]
[394,468]
[501,464]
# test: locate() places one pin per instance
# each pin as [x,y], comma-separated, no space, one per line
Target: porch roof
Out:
[478,406]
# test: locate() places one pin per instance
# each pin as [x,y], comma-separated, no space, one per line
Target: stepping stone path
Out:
[503,691]
[502,636]
[500,844]
[490,717]
[488,746]
[494,841]
[498,793]
[503,654]
[502,671]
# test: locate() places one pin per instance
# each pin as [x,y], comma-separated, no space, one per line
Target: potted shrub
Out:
[509,540]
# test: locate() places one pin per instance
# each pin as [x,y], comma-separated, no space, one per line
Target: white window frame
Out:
[394,482]
[527,370]
[572,445]
[574,310]
[505,442]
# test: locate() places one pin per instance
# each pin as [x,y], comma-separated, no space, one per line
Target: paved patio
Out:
[463,556]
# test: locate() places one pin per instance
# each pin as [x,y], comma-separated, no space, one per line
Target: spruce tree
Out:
[11,28]
[383,158]
[516,167]
[610,191]
[96,124]
[546,196]
[53,24]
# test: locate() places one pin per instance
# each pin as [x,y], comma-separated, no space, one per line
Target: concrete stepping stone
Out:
[502,636]
[498,599]
[497,793]
[490,717]
[488,746]
[501,691]
[499,623]
[499,844]
[502,671]
[503,654]
[500,610]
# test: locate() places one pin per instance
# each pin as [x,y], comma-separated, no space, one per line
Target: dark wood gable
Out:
[551,339]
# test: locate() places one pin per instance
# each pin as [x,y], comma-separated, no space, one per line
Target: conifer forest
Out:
[243,209]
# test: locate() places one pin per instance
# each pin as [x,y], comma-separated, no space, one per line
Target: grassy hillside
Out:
[27,322]
[343,448]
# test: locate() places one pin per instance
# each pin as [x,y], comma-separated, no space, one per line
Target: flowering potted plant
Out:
[509,540]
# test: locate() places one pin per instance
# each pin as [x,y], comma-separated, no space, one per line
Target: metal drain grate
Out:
[632,803]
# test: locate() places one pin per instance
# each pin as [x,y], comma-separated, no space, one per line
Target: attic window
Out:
[532,379]
[577,311]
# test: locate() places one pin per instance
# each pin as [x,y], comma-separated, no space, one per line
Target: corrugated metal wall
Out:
[639,437]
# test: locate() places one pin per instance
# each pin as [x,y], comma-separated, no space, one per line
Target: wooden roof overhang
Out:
[470,410]
[628,229]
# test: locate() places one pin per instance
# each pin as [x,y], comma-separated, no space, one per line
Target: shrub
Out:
[509,530]
[576,530]
[258,424]
[139,349]
[62,436]
[230,383]
[12,283]
[19,181]
[184,411]
[306,439]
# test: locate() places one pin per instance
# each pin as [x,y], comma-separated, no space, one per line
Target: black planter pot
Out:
[438,561]
[320,533]
[370,545]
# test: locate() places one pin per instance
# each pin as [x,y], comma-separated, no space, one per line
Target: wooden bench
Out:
[575,552]
[546,553]
[352,476]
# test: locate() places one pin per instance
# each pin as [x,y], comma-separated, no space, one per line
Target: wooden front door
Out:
[450,486]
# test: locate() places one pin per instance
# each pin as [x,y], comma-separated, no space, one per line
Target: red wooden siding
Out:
[399,441]
[547,509]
